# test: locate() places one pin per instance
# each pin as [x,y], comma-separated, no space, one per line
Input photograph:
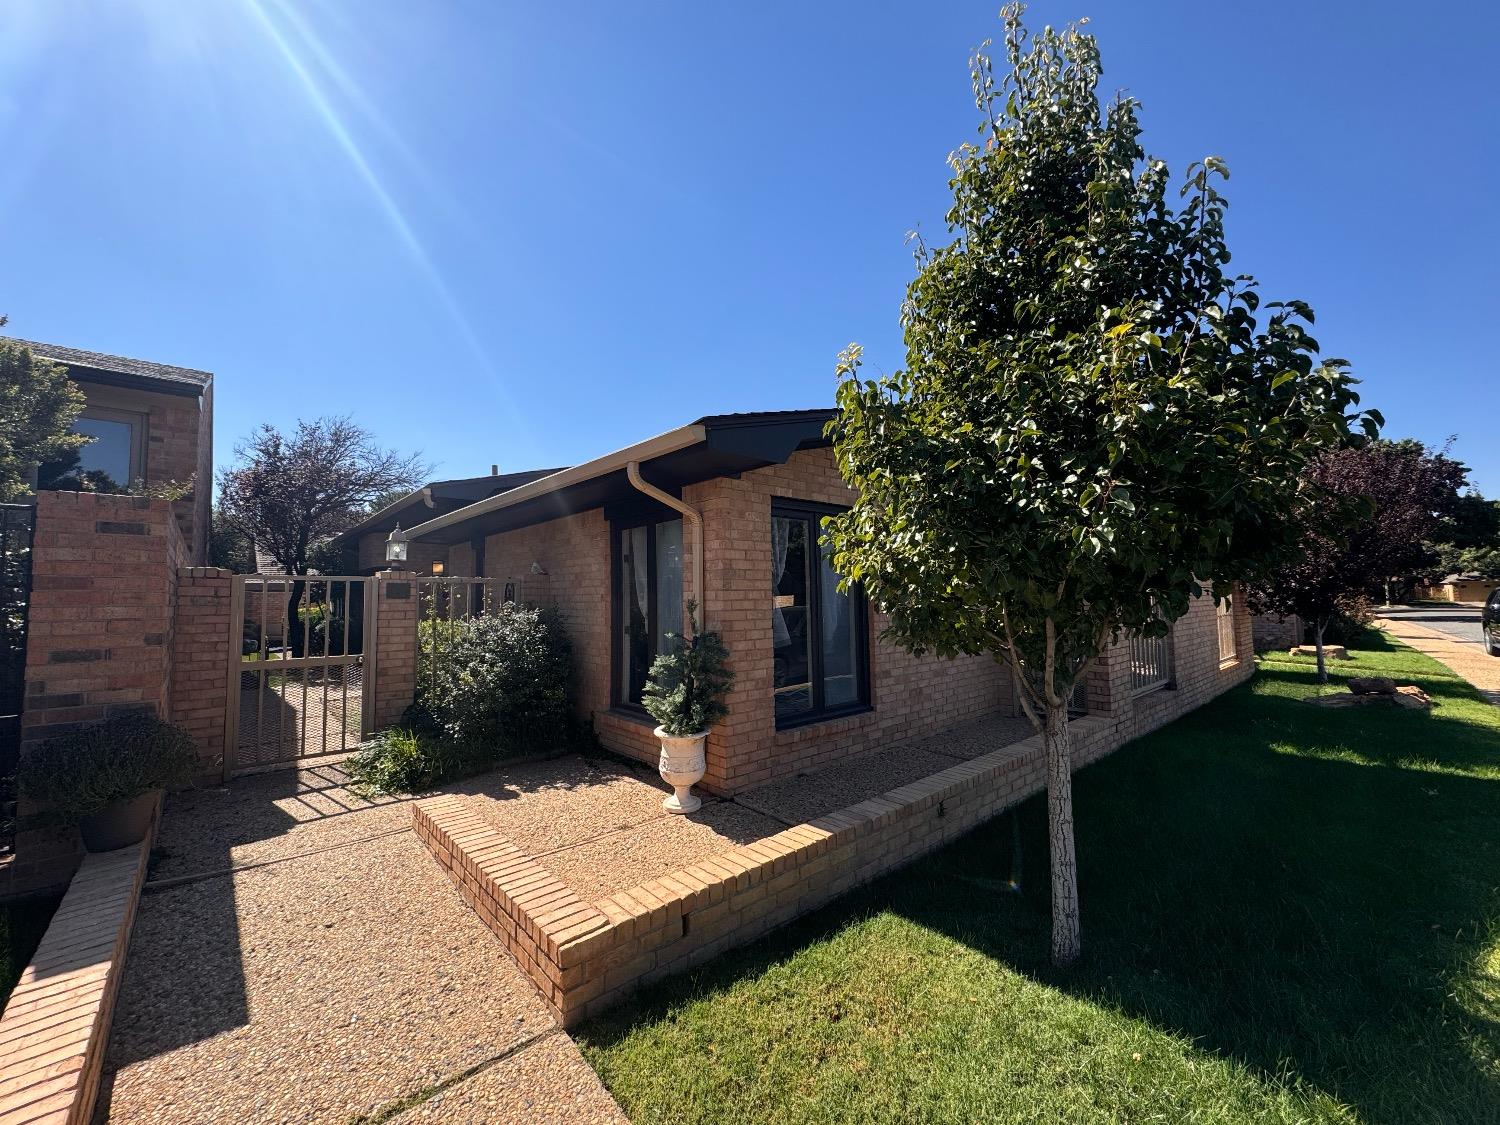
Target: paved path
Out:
[1445,636]
[332,977]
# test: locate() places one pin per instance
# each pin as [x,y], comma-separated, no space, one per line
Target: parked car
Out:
[1489,623]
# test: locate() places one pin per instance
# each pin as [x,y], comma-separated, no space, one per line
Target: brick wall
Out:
[395,675]
[200,649]
[1272,632]
[419,556]
[104,579]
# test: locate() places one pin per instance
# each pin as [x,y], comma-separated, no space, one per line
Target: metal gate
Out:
[298,683]
[17,521]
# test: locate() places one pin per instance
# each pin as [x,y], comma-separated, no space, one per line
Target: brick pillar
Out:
[201,647]
[395,679]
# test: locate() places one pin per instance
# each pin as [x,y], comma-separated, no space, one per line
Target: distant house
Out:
[1460,588]
[152,426]
[364,543]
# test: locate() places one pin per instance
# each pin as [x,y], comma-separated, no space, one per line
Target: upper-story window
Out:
[819,636]
[647,601]
[113,461]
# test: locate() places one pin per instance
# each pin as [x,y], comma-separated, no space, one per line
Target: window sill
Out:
[630,715]
[1141,693]
[1228,661]
[802,722]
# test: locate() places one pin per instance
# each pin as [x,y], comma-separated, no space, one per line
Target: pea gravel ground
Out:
[299,958]
[342,980]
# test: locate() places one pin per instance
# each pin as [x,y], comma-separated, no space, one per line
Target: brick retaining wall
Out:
[56,1023]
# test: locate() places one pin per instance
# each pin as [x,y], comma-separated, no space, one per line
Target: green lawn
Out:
[1289,915]
[22,925]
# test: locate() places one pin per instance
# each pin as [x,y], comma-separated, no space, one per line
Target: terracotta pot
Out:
[119,825]
[682,765]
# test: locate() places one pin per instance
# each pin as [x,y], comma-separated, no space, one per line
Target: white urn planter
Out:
[682,765]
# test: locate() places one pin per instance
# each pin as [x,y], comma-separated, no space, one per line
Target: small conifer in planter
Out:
[685,694]
[105,778]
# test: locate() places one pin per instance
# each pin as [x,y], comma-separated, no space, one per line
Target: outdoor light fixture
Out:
[437,566]
[395,546]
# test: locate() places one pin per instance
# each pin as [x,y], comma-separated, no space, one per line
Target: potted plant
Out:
[105,778]
[685,695]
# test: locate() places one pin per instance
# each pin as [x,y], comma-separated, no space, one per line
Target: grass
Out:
[1289,915]
[22,924]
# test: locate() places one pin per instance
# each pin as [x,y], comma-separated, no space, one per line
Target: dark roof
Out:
[120,370]
[717,445]
[447,495]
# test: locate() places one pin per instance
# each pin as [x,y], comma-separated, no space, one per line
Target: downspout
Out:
[695,530]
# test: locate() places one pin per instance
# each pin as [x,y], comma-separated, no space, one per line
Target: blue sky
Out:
[527,234]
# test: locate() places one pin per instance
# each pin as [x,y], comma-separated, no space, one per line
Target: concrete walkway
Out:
[1463,656]
[333,976]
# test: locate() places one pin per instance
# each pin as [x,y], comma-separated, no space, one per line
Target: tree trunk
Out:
[1318,628]
[1066,943]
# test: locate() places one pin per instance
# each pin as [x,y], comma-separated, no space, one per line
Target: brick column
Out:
[395,678]
[201,647]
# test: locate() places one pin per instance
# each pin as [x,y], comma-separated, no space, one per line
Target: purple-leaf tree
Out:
[1364,518]
[288,492]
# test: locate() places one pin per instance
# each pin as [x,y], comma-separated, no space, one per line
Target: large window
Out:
[648,601]
[818,635]
[111,462]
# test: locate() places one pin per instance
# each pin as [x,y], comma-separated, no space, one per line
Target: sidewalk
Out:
[1465,658]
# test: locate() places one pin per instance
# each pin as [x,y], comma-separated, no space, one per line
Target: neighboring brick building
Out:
[152,425]
[609,545]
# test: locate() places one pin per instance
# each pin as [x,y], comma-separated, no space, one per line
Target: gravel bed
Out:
[323,988]
[662,845]
[814,793]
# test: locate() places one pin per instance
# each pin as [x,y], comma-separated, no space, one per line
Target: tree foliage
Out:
[38,405]
[287,492]
[1096,416]
[1362,519]
[1468,540]
[229,546]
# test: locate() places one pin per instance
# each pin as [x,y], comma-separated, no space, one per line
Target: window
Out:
[648,601]
[1150,663]
[818,635]
[1225,618]
[111,462]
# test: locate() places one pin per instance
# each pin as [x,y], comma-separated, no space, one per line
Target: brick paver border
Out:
[56,1022]
[584,957]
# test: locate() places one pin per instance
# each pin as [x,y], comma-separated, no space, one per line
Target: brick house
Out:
[152,426]
[725,511]
[363,545]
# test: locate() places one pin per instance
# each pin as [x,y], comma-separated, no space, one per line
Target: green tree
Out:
[1093,425]
[229,546]
[38,406]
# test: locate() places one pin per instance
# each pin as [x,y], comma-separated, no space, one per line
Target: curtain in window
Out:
[781,536]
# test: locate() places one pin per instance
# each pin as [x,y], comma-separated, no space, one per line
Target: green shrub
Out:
[76,775]
[1353,624]
[686,688]
[499,682]
[408,761]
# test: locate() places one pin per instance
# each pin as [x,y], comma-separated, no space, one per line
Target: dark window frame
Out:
[628,519]
[859,611]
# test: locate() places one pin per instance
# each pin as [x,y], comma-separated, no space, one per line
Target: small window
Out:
[648,601]
[111,462]
[819,635]
[1228,650]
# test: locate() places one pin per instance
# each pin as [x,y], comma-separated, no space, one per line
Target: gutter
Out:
[695,527]
[650,449]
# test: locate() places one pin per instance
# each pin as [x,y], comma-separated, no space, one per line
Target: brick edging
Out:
[585,957]
[57,1021]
